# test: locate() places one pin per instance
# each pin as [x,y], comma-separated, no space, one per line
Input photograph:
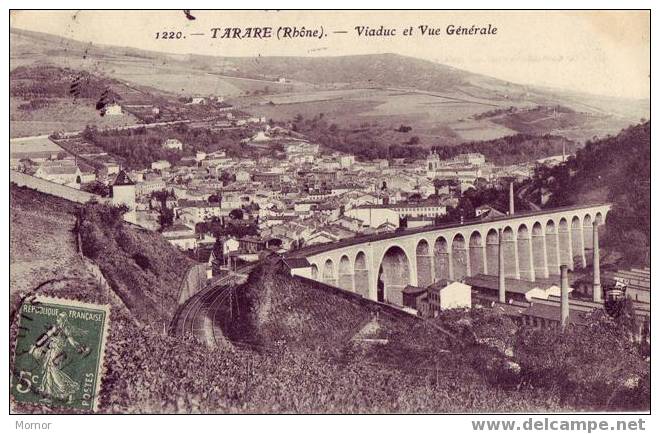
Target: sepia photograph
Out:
[330,212]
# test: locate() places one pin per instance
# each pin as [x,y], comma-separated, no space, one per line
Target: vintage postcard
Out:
[341,211]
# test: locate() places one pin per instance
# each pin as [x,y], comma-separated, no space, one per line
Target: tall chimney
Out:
[596,284]
[500,261]
[511,207]
[564,295]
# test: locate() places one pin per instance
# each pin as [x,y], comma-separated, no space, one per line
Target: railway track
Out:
[193,316]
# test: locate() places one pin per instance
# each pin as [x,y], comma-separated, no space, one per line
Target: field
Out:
[60,115]
[438,101]
[436,119]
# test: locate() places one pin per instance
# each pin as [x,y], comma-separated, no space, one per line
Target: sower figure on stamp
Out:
[49,351]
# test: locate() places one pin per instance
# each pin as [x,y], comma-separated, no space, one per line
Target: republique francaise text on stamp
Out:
[59,352]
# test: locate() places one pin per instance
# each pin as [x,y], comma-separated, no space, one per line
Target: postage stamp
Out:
[59,352]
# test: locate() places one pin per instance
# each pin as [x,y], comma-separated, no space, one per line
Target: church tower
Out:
[123,193]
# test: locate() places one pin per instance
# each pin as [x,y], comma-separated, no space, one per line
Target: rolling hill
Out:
[440,102]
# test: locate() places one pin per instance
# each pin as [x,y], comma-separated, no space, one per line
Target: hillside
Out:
[435,364]
[143,269]
[372,140]
[383,90]
[520,148]
[42,243]
[616,169]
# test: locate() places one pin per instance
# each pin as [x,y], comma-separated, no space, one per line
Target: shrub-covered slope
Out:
[143,268]
[615,169]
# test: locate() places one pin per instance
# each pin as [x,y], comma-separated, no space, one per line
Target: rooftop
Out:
[511,285]
[60,169]
[123,179]
[176,227]
[296,262]
[552,312]
[404,205]
[410,289]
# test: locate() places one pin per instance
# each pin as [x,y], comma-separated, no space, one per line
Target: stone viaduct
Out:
[534,244]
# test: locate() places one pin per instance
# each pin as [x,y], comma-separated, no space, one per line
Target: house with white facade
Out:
[181,236]
[113,109]
[174,144]
[160,165]
[64,172]
[193,212]
[374,216]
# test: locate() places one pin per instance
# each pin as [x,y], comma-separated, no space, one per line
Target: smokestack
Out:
[564,295]
[596,286]
[500,260]
[511,207]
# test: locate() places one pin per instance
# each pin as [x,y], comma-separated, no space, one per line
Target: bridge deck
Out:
[313,250]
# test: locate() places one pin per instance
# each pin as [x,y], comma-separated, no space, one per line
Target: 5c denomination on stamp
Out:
[59,352]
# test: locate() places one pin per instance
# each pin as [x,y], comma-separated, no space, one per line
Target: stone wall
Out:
[52,188]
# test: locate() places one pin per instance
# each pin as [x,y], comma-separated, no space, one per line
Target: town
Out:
[296,195]
[326,230]
[228,211]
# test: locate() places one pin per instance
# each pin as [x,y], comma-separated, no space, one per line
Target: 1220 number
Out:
[169,35]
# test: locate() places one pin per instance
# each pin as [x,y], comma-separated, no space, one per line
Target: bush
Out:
[142,261]
[92,240]
[586,366]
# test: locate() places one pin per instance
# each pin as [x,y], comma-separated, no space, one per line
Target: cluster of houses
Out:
[471,168]
[303,197]
[68,160]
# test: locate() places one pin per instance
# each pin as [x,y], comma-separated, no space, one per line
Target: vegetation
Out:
[368,142]
[143,269]
[496,197]
[47,81]
[616,169]
[494,112]
[511,149]
[139,147]
[96,187]
[597,366]
[461,354]
[545,118]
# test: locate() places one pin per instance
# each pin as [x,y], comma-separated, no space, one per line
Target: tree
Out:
[236,214]
[96,187]
[414,140]
[166,217]
[438,184]
[226,177]
[415,197]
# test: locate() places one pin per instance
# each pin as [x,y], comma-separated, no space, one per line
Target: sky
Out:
[599,52]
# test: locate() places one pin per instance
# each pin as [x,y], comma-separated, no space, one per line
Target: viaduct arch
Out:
[535,244]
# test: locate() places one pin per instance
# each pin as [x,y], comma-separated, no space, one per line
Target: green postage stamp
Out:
[59,352]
